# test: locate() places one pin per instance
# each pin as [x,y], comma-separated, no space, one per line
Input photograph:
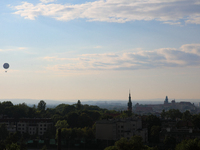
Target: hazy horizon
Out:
[100,101]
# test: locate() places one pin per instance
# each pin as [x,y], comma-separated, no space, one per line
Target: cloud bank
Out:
[120,11]
[186,55]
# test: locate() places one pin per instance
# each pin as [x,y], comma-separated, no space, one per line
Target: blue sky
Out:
[77,49]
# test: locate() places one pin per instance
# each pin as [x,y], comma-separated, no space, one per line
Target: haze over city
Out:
[87,49]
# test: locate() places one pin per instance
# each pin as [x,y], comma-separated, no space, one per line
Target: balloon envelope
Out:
[6,65]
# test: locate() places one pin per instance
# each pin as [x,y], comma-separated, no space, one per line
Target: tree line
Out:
[77,122]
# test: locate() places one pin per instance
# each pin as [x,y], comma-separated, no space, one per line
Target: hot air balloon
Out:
[6,66]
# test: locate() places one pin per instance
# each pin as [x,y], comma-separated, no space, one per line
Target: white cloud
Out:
[47,1]
[194,19]
[191,48]
[173,23]
[167,11]
[186,55]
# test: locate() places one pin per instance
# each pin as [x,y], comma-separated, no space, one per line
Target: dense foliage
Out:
[135,143]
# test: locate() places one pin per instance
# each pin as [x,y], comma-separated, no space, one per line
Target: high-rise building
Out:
[129,102]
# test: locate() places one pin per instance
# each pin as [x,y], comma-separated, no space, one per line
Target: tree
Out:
[44,147]
[135,143]
[163,114]
[3,132]
[41,105]
[7,104]
[153,120]
[154,134]
[72,118]
[13,146]
[65,133]
[196,120]
[95,115]
[85,121]
[67,109]
[186,115]
[78,105]
[191,144]
[111,148]
[170,142]
[174,113]
[57,117]
[61,124]
[31,112]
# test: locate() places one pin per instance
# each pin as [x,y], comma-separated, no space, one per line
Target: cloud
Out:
[97,47]
[48,58]
[191,48]
[47,1]
[120,11]
[173,23]
[186,56]
[13,49]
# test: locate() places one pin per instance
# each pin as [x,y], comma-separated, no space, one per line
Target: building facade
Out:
[31,126]
[115,129]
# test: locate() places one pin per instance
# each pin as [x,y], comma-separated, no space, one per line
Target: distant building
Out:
[129,102]
[114,129]
[31,126]
[182,106]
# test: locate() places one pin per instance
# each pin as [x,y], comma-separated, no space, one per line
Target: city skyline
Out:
[99,49]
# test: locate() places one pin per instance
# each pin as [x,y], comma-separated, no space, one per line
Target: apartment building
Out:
[31,126]
[114,129]
[180,130]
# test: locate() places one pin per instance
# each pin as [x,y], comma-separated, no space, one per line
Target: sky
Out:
[100,49]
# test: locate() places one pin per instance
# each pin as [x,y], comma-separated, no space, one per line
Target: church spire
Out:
[129,102]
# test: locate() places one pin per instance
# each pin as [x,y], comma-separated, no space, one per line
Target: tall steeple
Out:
[166,100]
[129,102]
